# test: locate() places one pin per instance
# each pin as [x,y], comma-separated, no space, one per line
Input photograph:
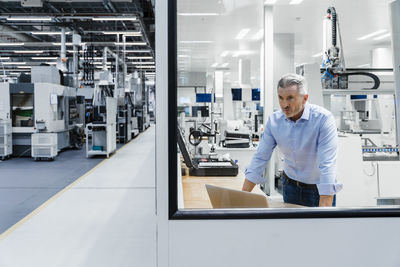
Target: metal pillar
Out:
[395,19]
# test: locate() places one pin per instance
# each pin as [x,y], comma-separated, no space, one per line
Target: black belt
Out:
[297,183]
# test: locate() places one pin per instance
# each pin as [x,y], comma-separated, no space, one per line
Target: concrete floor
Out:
[105,218]
[26,184]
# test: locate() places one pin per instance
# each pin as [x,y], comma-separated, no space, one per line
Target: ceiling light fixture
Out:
[27,18]
[198,14]
[114,18]
[137,51]
[49,33]
[51,63]
[140,57]
[382,37]
[224,65]
[214,65]
[372,34]
[12,44]
[44,58]
[242,34]
[58,44]
[126,33]
[295,2]
[4,58]
[130,43]
[142,63]
[14,63]
[28,52]
[145,67]
[24,67]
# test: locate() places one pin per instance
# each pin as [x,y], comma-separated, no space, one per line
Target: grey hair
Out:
[290,79]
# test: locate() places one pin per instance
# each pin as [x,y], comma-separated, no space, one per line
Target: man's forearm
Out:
[325,201]
[248,186]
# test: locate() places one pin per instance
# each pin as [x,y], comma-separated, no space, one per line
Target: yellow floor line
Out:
[45,204]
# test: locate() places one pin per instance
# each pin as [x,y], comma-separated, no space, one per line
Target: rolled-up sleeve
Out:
[254,172]
[327,154]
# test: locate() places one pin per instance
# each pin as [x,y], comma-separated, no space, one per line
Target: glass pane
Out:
[227,92]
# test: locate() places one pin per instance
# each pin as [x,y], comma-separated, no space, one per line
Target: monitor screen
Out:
[204,111]
[203,98]
[255,94]
[236,94]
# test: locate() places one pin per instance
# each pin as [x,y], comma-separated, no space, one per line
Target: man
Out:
[306,135]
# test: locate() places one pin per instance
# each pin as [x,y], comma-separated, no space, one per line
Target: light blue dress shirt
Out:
[309,146]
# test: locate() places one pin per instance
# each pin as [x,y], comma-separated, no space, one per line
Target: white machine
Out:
[38,108]
[101,134]
[5,138]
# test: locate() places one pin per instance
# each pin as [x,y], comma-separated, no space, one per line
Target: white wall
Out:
[290,242]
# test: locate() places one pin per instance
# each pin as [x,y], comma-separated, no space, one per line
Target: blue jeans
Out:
[297,194]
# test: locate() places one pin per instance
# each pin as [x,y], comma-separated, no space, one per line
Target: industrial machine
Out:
[5,138]
[124,119]
[40,109]
[206,165]
[101,132]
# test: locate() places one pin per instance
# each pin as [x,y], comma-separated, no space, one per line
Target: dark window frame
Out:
[215,214]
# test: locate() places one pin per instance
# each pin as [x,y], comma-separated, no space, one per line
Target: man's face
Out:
[291,101]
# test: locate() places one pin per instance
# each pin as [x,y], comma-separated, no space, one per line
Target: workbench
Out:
[195,195]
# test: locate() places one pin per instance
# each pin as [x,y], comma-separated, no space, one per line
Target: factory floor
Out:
[104,218]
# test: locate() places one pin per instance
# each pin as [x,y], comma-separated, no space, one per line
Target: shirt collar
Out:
[304,116]
[306,112]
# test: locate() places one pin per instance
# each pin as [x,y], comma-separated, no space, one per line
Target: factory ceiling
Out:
[32,28]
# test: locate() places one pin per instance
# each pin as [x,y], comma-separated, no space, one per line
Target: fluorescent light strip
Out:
[242,34]
[225,65]
[372,34]
[142,63]
[198,14]
[269,2]
[44,58]
[28,52]
[24,67]
[130,43]
[29,18]
[137,51]
[214,65]
[49,33]
[12,44]
[4,58]
[126,33]
[14,63]
[114,18]
[51,63]
[100,63]
[140,57]
[295,2]
[382,37]
[224,54]
[145,67]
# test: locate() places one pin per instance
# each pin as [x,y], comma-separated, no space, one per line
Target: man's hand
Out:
[325,201]
[248,186]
